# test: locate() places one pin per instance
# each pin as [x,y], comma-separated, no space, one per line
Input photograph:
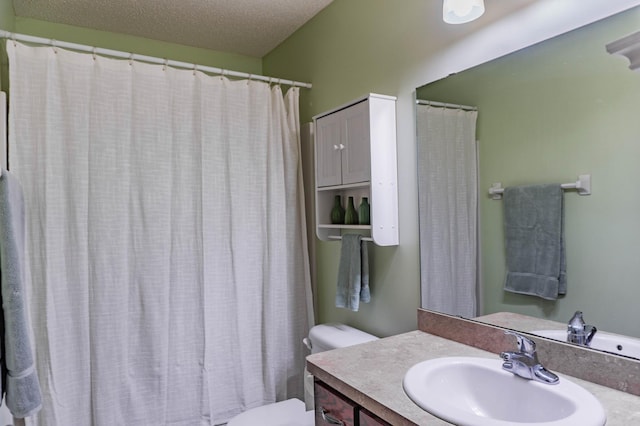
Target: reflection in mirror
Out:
[449,202]
[547,114]
[603,341]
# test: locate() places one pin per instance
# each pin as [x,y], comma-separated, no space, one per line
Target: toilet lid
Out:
[284,413]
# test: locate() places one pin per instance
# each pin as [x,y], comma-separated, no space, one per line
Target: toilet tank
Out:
[324,337]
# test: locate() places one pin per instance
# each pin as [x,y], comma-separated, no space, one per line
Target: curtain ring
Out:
[131,59]
[165,65]
[249,80]
[93,52]
[54,46]
[222,73]
[13,38]
[195,68]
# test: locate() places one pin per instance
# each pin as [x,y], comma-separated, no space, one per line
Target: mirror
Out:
[546,114]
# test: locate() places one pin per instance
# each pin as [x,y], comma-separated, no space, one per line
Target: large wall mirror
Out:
[547,114]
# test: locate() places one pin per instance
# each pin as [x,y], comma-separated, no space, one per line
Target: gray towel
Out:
[353,273]
[19,381]
[534,241]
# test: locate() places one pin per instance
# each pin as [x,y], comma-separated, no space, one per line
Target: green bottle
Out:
[351,216]
[364,212]
[337,212]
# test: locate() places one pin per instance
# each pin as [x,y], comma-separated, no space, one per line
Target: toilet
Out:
[294,412]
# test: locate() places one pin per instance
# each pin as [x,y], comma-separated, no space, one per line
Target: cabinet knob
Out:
[341,146]
[335,147]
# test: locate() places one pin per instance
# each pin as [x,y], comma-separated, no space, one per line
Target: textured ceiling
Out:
[255,27]
[246,27]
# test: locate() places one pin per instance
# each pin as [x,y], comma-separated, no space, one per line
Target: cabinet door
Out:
[328,150]
[368,419]
[356,156]
[332,408]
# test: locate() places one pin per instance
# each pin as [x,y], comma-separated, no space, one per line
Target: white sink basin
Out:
[603,341]
[478,392]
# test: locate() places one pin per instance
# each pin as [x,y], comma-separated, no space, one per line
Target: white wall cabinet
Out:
[355,147]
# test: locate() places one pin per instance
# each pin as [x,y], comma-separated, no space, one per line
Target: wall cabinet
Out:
[355,152]
[332,408]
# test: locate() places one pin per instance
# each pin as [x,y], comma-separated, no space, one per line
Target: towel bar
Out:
[338,237]
[583,185]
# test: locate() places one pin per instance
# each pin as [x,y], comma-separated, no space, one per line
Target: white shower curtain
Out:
[448,188]
[168,281]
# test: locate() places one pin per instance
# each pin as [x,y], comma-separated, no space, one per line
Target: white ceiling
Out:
[246,27]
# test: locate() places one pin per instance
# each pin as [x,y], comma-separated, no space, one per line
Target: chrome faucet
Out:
[524,362]
[578,332]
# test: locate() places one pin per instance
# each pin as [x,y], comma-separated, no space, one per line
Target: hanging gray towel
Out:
[19,378]
[534,241]
[353,273]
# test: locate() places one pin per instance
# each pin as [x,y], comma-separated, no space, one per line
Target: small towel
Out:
[353,273]
[19,378]
[534,241]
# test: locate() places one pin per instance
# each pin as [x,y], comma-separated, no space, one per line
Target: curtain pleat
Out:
[168,280]
[447,186]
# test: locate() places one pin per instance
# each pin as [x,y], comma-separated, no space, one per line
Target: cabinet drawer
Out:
[332,408]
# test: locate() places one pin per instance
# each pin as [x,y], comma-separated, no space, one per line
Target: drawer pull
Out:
[329,418]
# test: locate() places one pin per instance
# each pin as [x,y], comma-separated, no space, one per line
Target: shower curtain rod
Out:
[446,105]
[149,59]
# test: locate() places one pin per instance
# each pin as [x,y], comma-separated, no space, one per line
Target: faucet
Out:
[578,332]
[524,362]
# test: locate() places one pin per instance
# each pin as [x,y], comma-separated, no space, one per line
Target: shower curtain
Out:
[168,280]
[448,206]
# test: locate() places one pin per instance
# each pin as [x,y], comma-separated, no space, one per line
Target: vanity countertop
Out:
[371,375]
[521,322]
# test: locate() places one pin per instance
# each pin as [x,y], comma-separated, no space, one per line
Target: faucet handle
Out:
[525,345]
[576,323]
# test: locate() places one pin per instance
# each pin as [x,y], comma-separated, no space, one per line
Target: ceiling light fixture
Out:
[461,11]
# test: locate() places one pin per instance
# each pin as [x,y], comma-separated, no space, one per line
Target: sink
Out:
[603,341]
[478,392]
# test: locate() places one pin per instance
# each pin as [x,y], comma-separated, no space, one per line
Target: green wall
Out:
[127,43]
[6,15]
[349,49]
[359,46]
[6,23]
[546,114]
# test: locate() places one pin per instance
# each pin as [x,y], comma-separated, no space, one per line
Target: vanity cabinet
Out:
[355,156]
[332,408]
